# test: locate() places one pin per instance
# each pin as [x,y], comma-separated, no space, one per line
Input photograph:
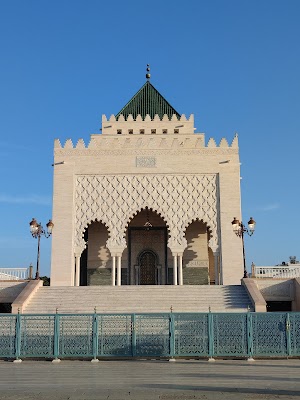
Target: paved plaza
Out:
[151,379]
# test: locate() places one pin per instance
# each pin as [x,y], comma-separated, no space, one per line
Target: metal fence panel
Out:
[229,334]
[114,335]
[295,333]
[37,335]
[168,335]
[269,334]
[152,334]
[76,335]
[7,335]
[191,334]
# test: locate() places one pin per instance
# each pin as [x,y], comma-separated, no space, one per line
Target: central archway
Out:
[147,237]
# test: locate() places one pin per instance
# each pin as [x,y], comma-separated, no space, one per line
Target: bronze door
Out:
[147,269]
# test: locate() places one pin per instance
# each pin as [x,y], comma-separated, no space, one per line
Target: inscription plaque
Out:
[146,162]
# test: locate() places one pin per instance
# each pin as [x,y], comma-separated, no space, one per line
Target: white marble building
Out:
[146,202]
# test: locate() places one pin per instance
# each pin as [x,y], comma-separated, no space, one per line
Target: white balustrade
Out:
[14,274]
[280,271]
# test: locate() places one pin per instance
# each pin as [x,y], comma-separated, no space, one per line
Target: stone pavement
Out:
[150,379]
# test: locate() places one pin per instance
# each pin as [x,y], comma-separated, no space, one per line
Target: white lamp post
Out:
[239,229]
[37,230]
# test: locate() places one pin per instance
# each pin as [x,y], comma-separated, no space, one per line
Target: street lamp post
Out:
[240,229]
[37,230]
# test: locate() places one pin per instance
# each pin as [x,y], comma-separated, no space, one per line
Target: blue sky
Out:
[234,64]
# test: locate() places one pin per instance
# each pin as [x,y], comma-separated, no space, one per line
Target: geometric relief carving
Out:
[115,199]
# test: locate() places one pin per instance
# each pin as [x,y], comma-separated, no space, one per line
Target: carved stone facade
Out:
[135,166]
[114,200]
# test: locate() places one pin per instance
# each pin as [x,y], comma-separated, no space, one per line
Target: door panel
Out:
[147,269]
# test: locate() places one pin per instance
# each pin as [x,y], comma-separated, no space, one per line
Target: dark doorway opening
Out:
[162,244]
[83,262]
[273,306]
[5,308]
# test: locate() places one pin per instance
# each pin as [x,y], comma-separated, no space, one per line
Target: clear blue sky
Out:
[234,64]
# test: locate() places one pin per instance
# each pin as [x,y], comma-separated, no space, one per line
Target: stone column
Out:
[180,274]
[118,270]
[73,272]
[252,270]
[77,270]
[175,269]
[116,251]
[113,270]
[159,278]
[216,259]
[220,270]
[137,278]
[177,250]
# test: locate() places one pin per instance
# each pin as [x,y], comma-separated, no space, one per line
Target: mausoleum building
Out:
[148,201]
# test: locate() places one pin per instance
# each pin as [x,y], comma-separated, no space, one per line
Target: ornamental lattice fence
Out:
[150,335]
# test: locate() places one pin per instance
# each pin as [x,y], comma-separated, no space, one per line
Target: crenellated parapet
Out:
[224,143]
[178,125]
[143,141]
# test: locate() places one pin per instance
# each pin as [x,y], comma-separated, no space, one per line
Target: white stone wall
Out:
[276,290]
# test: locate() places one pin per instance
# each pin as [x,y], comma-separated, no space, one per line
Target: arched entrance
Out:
[147,237]
[95,260]
[147,269]
[198,267]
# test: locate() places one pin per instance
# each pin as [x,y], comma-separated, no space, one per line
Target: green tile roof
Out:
[147,101]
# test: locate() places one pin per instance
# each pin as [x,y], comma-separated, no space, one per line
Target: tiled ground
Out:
[150,379]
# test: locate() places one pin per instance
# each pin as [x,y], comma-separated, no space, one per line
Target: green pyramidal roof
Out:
[147,101]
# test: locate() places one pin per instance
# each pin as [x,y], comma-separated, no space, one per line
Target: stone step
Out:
[140,299]
[146,287]
[135,311]
[134,301]
[142,295]
[115,291]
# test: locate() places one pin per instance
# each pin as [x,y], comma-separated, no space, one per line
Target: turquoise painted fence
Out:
[150,335]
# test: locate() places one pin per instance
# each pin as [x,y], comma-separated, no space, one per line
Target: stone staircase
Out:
[138,299]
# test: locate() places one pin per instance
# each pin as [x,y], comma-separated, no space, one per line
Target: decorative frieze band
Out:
[183,152]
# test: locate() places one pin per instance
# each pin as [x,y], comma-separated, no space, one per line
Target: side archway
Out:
[198,268]
[95,260]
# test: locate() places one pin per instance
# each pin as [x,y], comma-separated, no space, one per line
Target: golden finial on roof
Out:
[148,75]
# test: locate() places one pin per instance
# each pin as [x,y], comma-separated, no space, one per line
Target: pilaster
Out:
[62,261]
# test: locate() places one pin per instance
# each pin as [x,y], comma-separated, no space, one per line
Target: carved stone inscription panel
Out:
[146,162]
